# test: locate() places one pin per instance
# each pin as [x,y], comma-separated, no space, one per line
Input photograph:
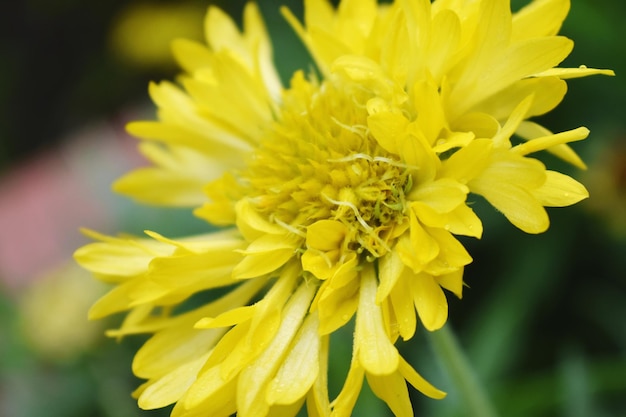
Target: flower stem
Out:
[457,366]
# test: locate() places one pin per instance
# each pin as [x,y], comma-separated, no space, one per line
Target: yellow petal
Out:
[548,92]
[226,319]
[336,306]
[424,247]
[266,254]
[546,142]
[501,139]
[452,282]
[512,169]
[318,404]
[430,112]
[322,265]
[387,128]
[251,224]
[116,300]
[300,368]
[210,390]
[445,39]
[402,303]
[520,60]
[531,130]
[343,405]
[469,161]
[518,205]
[483,125]
[390,269]
[326,235]
[366,72]
[253,380]
[119,257]
[453,140]
[376,353]
[463,221]
[560,190]
[172,348]
[221,31]
[539,18]
[452,254]
[418,381]
[442,195]
[161,187]
[417,152]
[171,387]
[392,390]
[177,179]
[568,73]
[190,55]
[430,301]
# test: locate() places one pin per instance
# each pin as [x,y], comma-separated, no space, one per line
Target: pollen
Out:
[320,161]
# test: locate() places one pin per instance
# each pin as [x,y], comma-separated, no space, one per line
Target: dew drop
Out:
[583,67]
[441,141]
[447,227]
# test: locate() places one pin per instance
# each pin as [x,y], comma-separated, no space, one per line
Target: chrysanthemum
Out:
[340,195]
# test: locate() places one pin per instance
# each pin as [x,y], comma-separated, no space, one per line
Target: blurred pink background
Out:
[44,201]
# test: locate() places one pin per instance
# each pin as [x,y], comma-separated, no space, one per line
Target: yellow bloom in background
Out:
[64,335]
[141,34]
[341,195]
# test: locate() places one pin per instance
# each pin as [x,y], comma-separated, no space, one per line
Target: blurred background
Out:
[543,320]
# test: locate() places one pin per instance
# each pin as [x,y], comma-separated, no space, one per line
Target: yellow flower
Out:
[341,195]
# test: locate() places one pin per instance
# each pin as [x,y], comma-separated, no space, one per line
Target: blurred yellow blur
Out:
[53,313]
[141,34]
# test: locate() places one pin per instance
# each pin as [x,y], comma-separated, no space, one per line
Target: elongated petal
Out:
[300,369]
[326,235]
[254,379]
[343,405]
[546,142]
[430,301]
[518,205]
[403,307]
[452,282]
[376,353]
[560,190]
[318,403]
[388,128]
[393,390]
[169,388]
[540,18]
[119,257]
[418,381]
[264,255]
[568,73]
[531,130]
[390,269]
[469,161]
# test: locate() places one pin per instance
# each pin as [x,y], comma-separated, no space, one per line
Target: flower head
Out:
[341,195]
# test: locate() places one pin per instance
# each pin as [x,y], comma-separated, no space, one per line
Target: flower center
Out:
[320,162]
